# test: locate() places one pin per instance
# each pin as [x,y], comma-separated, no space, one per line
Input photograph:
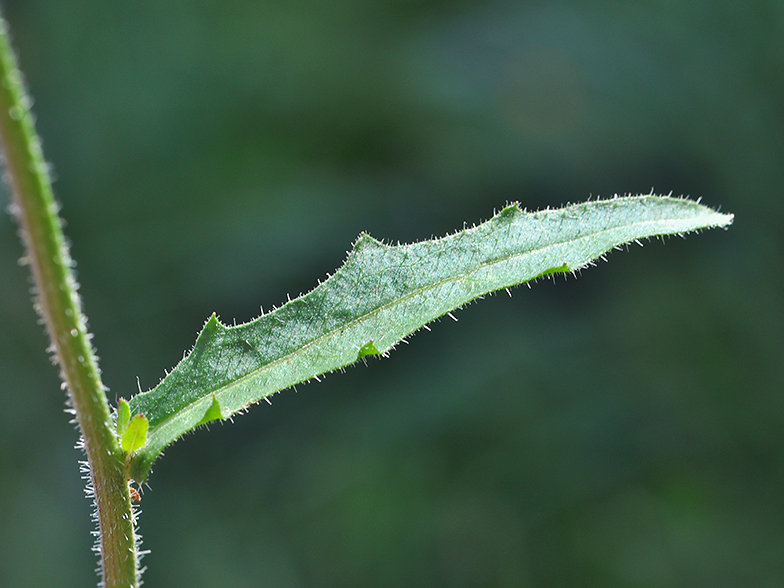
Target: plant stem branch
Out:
[58,304]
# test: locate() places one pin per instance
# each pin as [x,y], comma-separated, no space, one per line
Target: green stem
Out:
[58,304]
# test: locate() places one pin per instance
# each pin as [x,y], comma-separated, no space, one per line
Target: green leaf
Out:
[136,434]
[123,416]
[383,294]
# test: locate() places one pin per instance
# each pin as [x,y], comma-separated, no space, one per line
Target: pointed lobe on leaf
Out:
[367,349]
[123,416]
[213,413]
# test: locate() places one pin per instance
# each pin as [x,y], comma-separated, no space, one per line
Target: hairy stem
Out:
[59,306]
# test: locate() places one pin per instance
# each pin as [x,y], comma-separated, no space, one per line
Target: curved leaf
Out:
[384,293]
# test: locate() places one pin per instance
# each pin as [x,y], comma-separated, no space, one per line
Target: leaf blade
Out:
[382,294]
[135,435]
[123,416]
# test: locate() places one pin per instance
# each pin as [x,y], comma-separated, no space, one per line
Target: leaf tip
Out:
[509,212]
[213,321]
[365,241]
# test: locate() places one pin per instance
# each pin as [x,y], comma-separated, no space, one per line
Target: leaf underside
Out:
[384,293]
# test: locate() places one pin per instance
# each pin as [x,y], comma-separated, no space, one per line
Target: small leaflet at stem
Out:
[135,435]
[123,417]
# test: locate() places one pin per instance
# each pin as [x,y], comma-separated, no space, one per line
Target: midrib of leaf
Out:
[591,229]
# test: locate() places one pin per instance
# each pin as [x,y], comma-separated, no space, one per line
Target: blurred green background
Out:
[623,429]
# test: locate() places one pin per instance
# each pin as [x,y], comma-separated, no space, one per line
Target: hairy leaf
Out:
[384,293]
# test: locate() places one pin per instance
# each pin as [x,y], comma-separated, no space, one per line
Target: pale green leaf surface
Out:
[383,294]
[213,413]
[135,435]
[123,416]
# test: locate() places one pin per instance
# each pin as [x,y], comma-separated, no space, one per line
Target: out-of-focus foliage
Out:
[645,448]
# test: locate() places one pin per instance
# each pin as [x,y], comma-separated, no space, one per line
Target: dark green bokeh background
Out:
[623,429]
